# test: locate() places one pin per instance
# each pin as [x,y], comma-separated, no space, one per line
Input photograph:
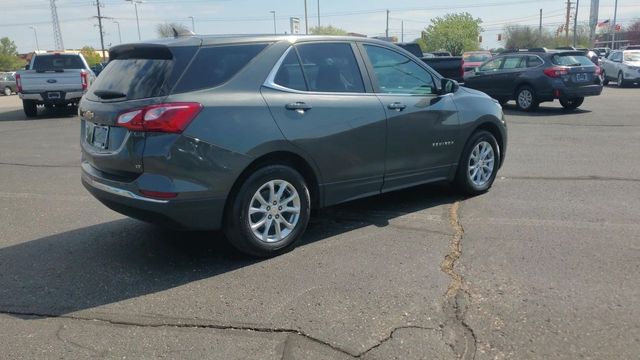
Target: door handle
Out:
[397,106]
[298,106]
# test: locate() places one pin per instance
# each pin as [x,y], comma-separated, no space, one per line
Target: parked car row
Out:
[622,66]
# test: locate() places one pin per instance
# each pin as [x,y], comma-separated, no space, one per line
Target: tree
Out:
[455,33]
[525,36]
[9,59]
[90,54]
[166,30]
[633,32]
[327,30]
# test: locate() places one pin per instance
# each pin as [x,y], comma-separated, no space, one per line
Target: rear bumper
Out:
[189,214]
[65,97]
[583,91]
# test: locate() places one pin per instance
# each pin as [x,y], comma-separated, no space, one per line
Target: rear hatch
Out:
[53,72]
[138,75]
[577,69]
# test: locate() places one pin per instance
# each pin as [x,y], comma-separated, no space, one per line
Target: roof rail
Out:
[516,50]
[565,48]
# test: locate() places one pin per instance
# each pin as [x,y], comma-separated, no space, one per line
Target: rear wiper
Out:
[108,94]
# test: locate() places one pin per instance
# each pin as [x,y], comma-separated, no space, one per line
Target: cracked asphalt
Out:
[545,265]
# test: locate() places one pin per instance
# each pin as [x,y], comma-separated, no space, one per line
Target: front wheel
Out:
[479,164]
[526,99]
[620,82]
[571,104]
[269,212]
[30,108]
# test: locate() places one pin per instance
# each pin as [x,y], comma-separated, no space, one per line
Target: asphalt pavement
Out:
[545,265]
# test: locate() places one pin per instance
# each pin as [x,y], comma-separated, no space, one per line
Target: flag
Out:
[604,23]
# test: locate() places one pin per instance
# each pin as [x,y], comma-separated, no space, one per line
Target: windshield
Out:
[633,56]
[476,57]
[571,60]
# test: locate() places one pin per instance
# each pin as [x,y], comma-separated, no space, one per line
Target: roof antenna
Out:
[182,32]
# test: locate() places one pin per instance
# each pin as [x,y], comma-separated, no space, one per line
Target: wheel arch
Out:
[491,127]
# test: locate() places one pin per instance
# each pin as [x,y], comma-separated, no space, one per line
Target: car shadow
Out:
[43,114]
[542,111]
[124,259]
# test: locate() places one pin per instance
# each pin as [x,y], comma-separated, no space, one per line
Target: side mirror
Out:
[448,86]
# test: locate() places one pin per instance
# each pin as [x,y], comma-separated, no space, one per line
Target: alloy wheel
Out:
[274,211]
[525,98]
[481,164]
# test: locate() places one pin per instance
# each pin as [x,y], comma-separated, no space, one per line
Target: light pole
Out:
[318,13]
[135,5]
[306,19]
[274,22]
[193,24]
[35,32]
[119,33]
[575,24]
[613,27]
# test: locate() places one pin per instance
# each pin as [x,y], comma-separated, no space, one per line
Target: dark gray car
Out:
[248,134]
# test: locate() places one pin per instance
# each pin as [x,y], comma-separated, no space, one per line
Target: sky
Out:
[407,18]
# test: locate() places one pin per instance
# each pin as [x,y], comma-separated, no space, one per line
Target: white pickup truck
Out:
[53,79]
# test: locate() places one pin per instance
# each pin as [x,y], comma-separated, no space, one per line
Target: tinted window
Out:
[215,65]
[398,74]
[512,62]
[57,62]
[492,65]
[471,57]
[571,60]
[330,67]
[290,73]
[533,61]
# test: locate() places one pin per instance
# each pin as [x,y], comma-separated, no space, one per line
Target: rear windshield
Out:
[57,62]
[571,60]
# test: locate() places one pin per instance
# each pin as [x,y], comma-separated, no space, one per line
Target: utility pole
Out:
[306,19]
[119,33]
[135,5]
[57,33]
[101,33]
[402,31]
[274,22]
[575,24]
[318,13]
[540,26]
[613,27]
[568,18]
[35,32]
[386,32]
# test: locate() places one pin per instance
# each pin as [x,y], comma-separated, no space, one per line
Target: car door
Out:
[324,109]
[609,65]
[504,80]
[422,125]
[484,77]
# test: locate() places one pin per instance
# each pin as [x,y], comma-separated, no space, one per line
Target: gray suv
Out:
[249,134]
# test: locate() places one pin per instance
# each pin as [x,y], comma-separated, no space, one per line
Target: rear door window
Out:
[57,62]
[215,65]
[533,61]
[330,67]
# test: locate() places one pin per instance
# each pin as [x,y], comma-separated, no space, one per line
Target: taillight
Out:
[19,83]
[556,71]
[598,71]
[462,70]
[84,78]
[167,118]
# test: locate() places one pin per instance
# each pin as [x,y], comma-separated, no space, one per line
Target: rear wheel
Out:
[30,108]
[479,164]
[269,212]
[571,104]
[526,99]
[7,91]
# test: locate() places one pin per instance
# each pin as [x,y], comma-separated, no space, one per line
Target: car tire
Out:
[526,99]
[30,108]
[7,91]
[620,81]
[605,79]
[254,225]
[571,104]
[480,154]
